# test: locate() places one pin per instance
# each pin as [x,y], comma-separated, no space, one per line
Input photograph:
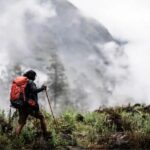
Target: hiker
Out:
[27,100]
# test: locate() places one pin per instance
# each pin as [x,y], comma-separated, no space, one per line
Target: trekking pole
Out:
[51,108]
[9,121]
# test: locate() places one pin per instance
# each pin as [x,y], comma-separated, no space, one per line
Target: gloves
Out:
[44,87]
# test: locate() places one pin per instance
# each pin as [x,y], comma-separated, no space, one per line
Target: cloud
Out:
[127,20]
[13,24]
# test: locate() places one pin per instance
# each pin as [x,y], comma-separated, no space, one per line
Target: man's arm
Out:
[34,89]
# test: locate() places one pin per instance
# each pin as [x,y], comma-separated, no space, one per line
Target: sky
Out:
[127,20]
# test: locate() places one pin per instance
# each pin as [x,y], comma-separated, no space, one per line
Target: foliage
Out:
[125,127]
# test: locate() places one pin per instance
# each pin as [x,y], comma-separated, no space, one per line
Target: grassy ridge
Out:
[107,128]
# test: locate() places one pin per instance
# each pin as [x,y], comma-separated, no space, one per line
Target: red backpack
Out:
[17,94]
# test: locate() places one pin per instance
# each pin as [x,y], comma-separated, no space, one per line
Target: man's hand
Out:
[44,87]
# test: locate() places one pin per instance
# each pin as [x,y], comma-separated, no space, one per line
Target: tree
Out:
[57,81]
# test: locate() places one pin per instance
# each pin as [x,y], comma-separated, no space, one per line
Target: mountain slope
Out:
[34,31]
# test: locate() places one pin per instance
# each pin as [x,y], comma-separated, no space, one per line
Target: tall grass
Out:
[121,127]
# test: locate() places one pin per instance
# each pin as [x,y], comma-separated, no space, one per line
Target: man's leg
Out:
[19,128]
[22,121]
[43,123]
[40,116]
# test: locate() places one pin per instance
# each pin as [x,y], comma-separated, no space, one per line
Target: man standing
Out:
[31,106]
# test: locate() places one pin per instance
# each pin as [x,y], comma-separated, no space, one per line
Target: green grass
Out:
[115,128]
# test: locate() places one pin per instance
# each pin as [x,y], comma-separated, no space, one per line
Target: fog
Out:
[127,20]
[96,62]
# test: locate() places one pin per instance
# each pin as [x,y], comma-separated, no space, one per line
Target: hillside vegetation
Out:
[125,127]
